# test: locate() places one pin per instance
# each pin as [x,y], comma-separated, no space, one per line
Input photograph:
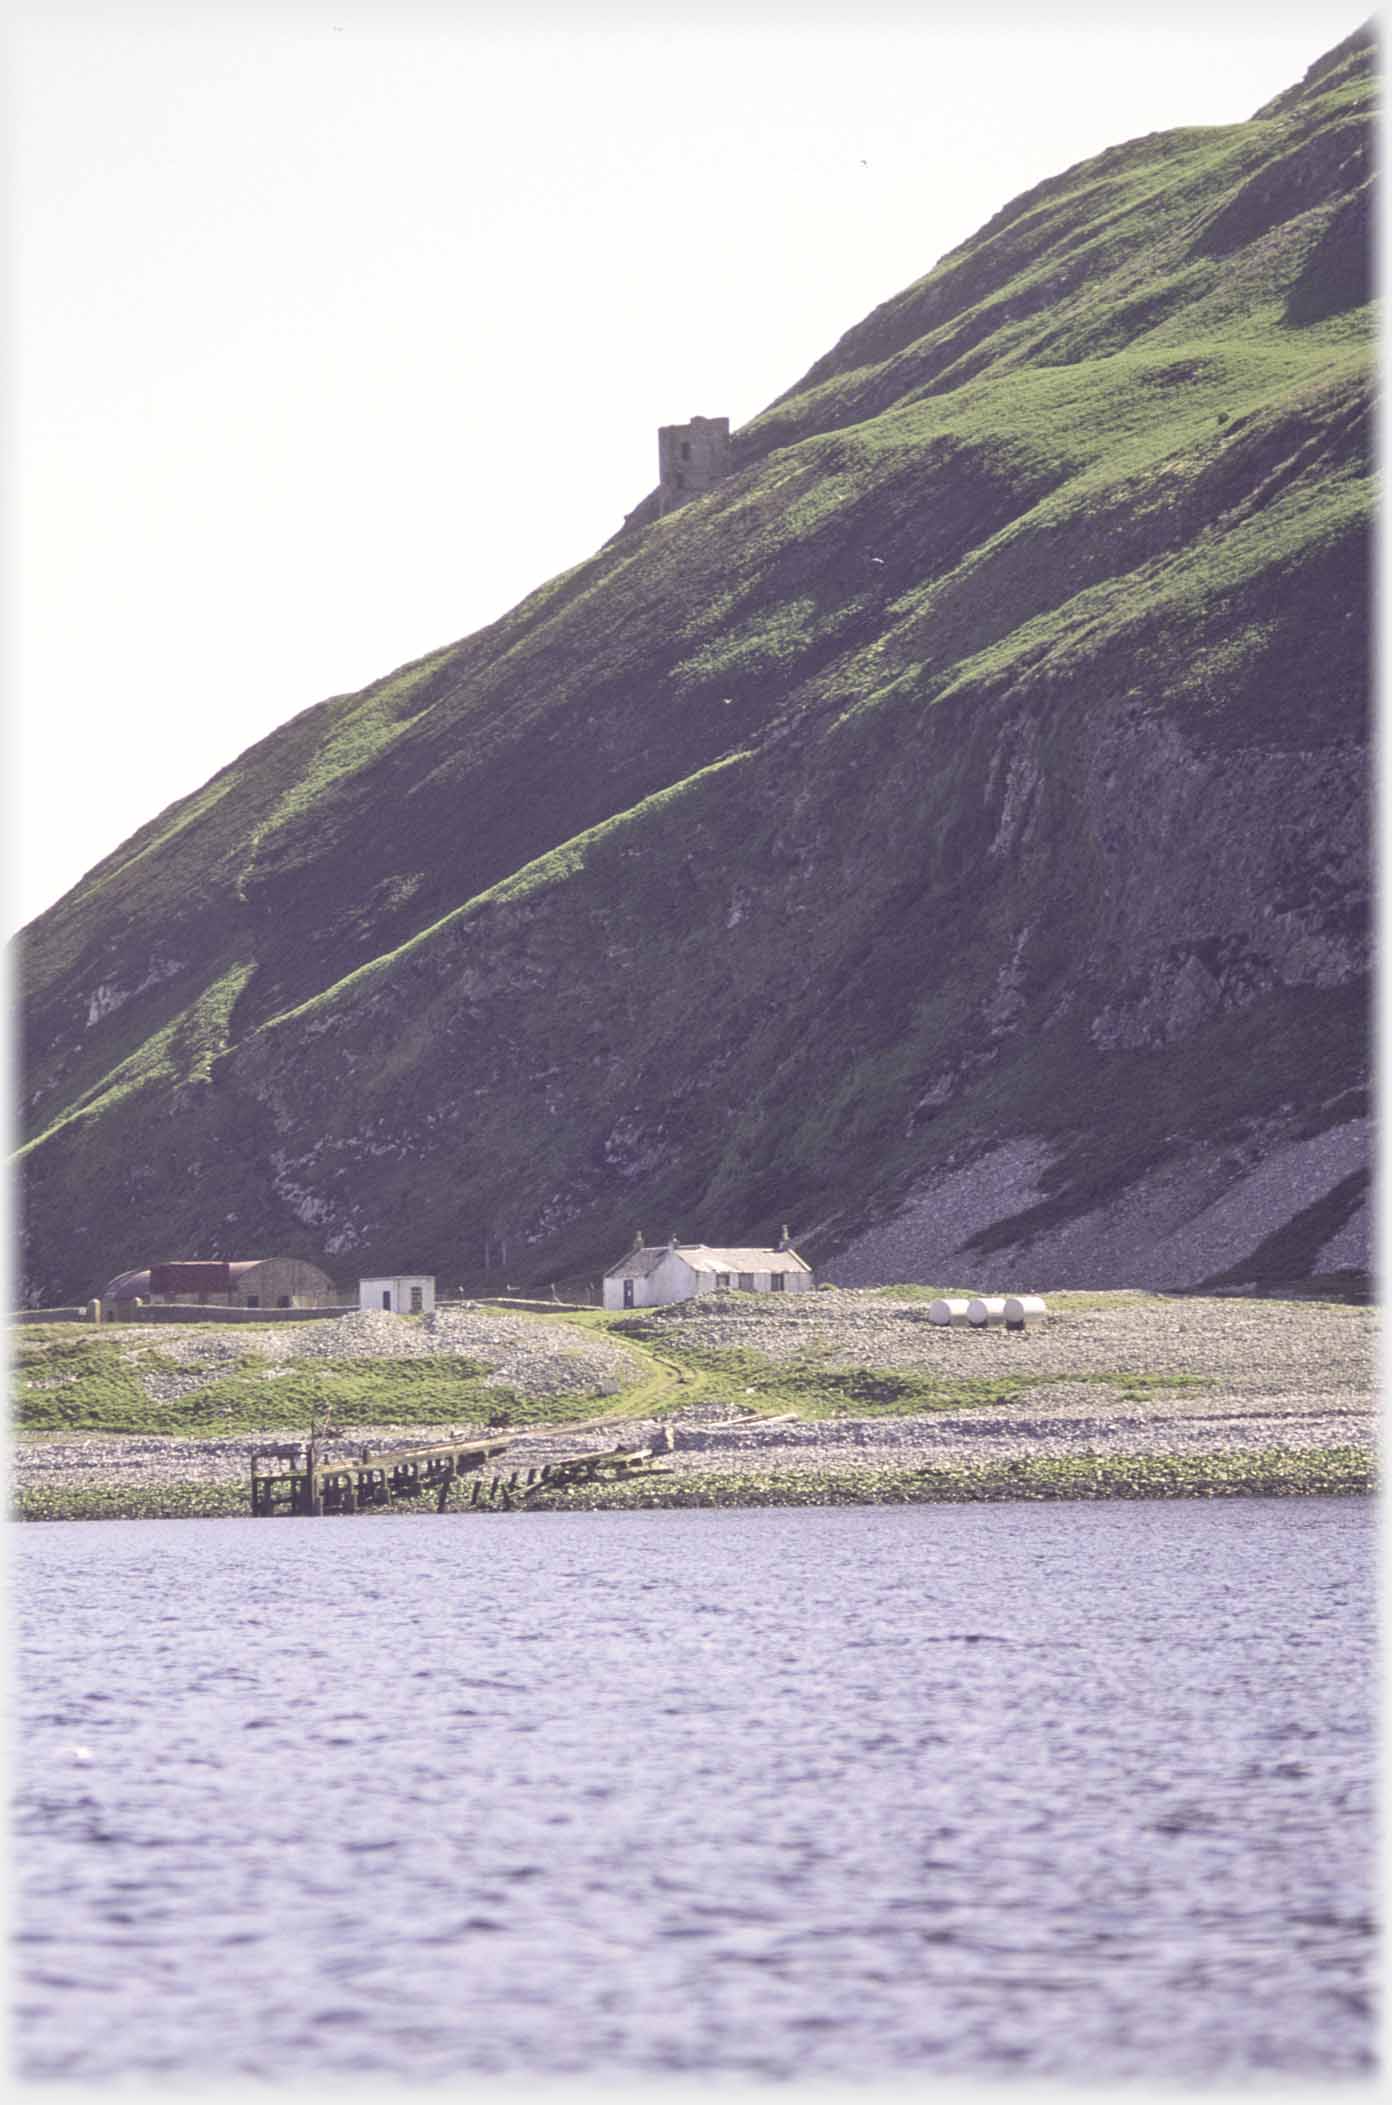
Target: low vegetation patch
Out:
[88,1383]
[812,1389]
[1253,1473]
[807,1384]
[187,1501]
[909,1292]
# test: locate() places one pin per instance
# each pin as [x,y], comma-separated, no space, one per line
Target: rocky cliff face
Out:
[949,834]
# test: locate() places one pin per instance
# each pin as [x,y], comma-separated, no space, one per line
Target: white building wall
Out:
[399,1286]
[674,1279]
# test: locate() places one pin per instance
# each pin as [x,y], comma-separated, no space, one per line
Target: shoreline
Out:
[844,1398]
[1272,1472]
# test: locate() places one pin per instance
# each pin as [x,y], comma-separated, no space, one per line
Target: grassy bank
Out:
[814,1387]
[77,1381]
[93,1382]
[1251,1473]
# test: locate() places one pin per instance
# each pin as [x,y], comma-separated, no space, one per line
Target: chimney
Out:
[783,1242]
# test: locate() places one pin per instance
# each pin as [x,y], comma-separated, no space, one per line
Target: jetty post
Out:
[313,1499]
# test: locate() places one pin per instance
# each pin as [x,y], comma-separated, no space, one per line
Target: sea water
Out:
[1073,1791]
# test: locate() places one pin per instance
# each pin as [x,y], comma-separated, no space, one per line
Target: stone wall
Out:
[212,1312]
[691,459]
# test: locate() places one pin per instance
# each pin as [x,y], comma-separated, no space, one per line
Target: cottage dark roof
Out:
[639,1264]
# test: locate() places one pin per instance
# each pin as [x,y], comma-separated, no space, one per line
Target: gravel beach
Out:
[1247,1375]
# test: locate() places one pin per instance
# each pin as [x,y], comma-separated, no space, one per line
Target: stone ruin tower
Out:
[691,458]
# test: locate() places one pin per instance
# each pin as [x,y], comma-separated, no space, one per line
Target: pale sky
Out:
[334,329]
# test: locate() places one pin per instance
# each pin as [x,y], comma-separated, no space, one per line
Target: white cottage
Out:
[405,1294]
[679,1271]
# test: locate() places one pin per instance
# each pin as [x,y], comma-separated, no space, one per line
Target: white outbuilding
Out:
[673,1271]
[405,1294]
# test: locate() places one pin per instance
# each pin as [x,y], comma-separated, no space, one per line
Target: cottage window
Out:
[746,1280]
[417,1302]
[284,1301]
[722,1279]
[386,1297]
[253,1300]
[776,1280]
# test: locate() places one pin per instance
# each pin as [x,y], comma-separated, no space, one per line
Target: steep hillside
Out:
[949,835]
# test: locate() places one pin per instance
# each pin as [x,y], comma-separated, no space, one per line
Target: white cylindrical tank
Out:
[947,1311]
[1023,1309]
[989,1310]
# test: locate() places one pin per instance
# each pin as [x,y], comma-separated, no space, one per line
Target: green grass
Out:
[556,868]
[74,1379]
[71,1383]
[909,1291]
[815,1390]
[357,730]
[809,1386]
[1078,629]
[779,634]
[184,1051]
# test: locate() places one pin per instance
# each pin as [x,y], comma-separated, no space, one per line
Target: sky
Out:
[335,329]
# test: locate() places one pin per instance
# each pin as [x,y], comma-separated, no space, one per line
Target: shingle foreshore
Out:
[1282,1378]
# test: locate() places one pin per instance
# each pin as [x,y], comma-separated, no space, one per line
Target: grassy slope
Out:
[1113,450]
[119,1380]
[73,1381]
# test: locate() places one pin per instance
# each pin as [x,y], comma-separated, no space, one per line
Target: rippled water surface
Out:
[1076,1791]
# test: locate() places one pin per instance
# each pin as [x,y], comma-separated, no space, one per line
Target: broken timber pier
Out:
[403,1476]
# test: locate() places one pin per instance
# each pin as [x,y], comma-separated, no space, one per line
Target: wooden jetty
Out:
[314,1486]
[564,1475]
